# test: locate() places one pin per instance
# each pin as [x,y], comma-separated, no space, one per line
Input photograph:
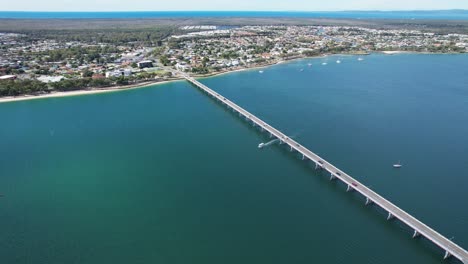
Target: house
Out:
[97,76]
[118,73]
[7,77]
[182,66]
[50,79]
[145,64]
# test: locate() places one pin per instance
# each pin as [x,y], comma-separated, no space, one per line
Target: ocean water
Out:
[438,14]
[167,175]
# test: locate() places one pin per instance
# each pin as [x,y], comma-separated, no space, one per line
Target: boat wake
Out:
[262,145]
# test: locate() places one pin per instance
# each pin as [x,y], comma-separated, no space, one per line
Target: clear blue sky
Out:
[238,5]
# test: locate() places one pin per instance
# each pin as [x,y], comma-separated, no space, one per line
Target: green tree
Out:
[87,73]
[164,60]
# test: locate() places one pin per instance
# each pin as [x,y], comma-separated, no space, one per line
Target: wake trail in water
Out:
[271,142]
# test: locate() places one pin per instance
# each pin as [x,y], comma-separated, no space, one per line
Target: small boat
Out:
[260,71]
[301,70]
[261,145]
[360,59]
[398,165]
[324,63]
[309,64]
[338,61]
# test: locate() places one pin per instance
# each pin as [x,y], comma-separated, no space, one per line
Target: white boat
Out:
[260,71]
[398,165]
[324,63]
[309,64]
[301,70]
[338,61]
[360,59]
[261,145]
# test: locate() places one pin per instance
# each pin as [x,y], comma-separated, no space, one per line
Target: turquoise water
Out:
[436,14]
[166,175]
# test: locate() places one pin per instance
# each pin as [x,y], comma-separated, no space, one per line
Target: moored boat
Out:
[397,165]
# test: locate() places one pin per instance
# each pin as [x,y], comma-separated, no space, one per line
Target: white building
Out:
[182,66]
[50,79]
[118,73]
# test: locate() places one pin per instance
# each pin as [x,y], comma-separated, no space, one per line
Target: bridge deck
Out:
[394,211]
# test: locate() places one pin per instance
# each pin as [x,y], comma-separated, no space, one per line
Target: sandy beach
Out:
[82,92]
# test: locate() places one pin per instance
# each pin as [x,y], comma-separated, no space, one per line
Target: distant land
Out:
[418,14]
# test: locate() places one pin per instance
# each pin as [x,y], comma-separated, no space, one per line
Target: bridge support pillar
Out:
[349,188]
[291,148]
[447,255]
[281,142]
[332,177]
[303,157]
[368,201]
[416,234]
[390,216]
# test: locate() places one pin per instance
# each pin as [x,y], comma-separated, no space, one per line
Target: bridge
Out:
[419,228]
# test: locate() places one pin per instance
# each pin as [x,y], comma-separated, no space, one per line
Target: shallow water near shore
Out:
[167,175]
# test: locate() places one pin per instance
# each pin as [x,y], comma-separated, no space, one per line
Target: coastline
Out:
[136,86]
[83,92]
[215,74]
[257,67]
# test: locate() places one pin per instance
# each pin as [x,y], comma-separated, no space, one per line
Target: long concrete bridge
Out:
[420,229]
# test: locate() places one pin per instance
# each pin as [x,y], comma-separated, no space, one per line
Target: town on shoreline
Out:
[35,65]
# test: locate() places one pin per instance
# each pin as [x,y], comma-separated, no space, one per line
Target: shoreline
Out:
[135,86]
[83,92]
[209,75]
[278,62]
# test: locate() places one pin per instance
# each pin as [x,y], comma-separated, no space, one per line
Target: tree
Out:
[87,73]
[205,61]
[164,60]
[122,81]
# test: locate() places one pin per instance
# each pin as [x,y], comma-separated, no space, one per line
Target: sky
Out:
[228,5]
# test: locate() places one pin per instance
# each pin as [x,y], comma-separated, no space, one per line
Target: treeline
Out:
[81,54]
[432,49]
[145,36]
[34,87]
[19,87]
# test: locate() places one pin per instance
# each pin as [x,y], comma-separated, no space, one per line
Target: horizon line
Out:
[266,11]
